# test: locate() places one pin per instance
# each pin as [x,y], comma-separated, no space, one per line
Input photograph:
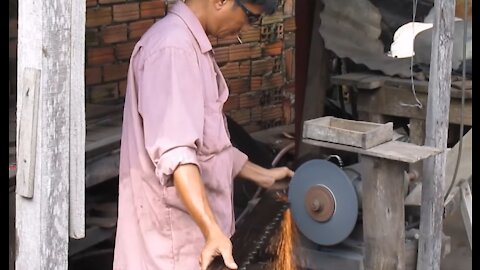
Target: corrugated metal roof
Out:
[351,29]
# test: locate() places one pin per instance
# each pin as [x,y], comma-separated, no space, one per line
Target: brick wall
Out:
[259,72]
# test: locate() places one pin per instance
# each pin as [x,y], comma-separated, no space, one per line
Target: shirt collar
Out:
[192,22]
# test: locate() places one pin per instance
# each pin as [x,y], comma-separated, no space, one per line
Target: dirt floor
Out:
[460,256]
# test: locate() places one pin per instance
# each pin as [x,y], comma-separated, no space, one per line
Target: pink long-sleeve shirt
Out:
[172,116]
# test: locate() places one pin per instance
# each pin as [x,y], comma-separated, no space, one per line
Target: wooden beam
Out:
[77,120]
[383,213]
[431,217]
[48,41]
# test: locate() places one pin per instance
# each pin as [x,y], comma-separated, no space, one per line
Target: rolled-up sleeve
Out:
[239,160]
[170,102]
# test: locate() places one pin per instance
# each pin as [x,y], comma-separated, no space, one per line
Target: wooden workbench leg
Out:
[417,136]
[383,214]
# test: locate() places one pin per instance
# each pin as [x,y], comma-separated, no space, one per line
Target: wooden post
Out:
[50,61]
[317,81]
[383,213]
[431,217]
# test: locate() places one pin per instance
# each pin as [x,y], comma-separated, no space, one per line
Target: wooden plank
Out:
[388,101]
[468,86]
[417,136]
[438,106]
[393,150]
[28,211]
[348,132]
[422,86]
[27,132]
[77,121]
[383,214]
[42,222]
[360,80]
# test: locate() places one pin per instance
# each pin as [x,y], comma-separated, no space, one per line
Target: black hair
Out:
[268,6]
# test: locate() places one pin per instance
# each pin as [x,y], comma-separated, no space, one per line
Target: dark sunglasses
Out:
[252,17]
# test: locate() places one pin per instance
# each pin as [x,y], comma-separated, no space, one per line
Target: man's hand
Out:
[217,244]
[191,190]
[264,177]
[273,175]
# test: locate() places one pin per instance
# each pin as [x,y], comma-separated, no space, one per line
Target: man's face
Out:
[235,16]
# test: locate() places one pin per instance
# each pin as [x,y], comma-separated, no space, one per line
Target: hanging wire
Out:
[418,104]
[460,143]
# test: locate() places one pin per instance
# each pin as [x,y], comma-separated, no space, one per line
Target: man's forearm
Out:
[252,172]
[264,177]
[191,190]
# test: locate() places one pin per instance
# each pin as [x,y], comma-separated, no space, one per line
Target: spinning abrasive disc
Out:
[323,202]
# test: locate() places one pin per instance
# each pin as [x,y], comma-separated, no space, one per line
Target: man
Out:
[176,162]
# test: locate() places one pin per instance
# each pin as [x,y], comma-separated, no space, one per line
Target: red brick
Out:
[115,33]
[289,64]
[256,114]
[289,40]
[115,72]
[12,28]
[123,51]
[256,83]
[290,87]
[231,103]
[251,35]
[239,52]
[289,24]
[91,37]
[91,3]
[249,100]
[111,1]
[138,28]
[237,86]
[221,54]
[262,66]
[288,109]
[241,116]
[126,12]
[122,87]
[274,81]
[230,70]
[104,92]
[152,9]
[244,68]
[274,18]
[232,39]
[93,75]
[236,69]
[255,52]
[99,56]
[98,16]
[273,49]
[272,112]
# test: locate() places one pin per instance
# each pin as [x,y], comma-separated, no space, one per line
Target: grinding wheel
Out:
[323,202]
